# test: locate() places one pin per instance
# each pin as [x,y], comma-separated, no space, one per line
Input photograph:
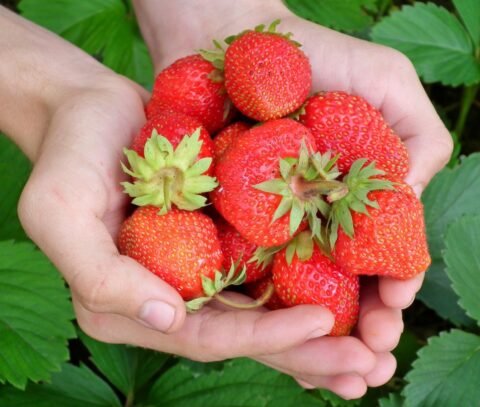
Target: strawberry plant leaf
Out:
[106,29]
[242,382]
[14,171]
[127,368]
[452,194]
[446,372]
[470,14]
[393,400]
[73,387]
[348,16]
[35,315]
[463,263]
[435,41]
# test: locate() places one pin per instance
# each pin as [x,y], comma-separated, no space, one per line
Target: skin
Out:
[81,115]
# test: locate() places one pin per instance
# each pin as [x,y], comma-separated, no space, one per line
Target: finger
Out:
[399,293]
[347,386]
[305,384]
[379,327]
[103,281]
[251,333]
[328,356]
[215,335]
[383,371]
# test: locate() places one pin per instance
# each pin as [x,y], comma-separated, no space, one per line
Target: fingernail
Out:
[418,189]
[317,333]
[158,315]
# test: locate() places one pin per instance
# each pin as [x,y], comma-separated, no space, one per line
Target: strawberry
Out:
[174,126]
[258,288]
[223,139]
[319,281]
[261,177]
[239,251]
[180,247]
[173,167]
[193,86]
[378,226]
[267,76]
[349,125]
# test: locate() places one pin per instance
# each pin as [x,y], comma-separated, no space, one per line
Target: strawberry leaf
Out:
[128,368]
[451,194]
[470,14]
[241,382]
[106,29]
[14,171]
[35,315]
[348,16]
[393,400]
[446,372]
[72,387]
[435,41]
[463,263]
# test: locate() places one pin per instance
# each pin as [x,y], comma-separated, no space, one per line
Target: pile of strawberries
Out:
[307,191]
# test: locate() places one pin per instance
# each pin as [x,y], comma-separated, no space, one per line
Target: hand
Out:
[387,80]
[72,207]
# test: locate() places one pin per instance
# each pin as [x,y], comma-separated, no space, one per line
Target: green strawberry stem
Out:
[211,287]
[266,295]
[305,190]
[168,176]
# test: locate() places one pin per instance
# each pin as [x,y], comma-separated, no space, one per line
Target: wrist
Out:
[39,71]
[176,29]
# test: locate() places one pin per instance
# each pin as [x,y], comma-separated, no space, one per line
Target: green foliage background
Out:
[45,361]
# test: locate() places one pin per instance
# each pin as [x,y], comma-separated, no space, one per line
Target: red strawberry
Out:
[183,249]
[238,250]
[267,76]
[258,288]
[174,126]
[349,125]
[193,86]
[180,247]
[390,240]
[247,167]
[223,139]
[318,281]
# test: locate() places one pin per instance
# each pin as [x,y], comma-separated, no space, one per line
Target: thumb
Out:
[102,280]
[116,284]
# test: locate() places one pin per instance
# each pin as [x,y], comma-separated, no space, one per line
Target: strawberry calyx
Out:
[168,176]
[304,181]
[360,180]
[262,28]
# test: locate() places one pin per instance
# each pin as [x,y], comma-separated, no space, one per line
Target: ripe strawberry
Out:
[267,76]
[173,167]
[390,240]
[257,289]
[180,247]
[174,126]
[261,177]
[349,125]
[193,86]
[223,139]
[238,250]
[318,281]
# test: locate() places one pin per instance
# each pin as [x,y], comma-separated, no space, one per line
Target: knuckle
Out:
[91,289]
